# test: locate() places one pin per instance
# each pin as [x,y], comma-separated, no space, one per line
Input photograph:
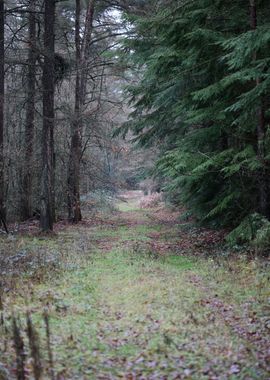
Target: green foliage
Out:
[113,304]
[262,239]
[203,74]
[254,230]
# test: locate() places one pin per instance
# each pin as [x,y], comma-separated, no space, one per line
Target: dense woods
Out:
[196,76]
[203,95]
[134,189]
[58,106]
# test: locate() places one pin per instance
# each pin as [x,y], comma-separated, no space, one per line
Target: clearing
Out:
[132,295]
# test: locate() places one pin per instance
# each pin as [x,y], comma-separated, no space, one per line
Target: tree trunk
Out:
[2,97]
[263,182]
[74,209]
[47,212]
[86,49]
[82,54]
[26,201]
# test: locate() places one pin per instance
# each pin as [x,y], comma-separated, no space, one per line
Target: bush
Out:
[151,201]
[99,201]
[253,230]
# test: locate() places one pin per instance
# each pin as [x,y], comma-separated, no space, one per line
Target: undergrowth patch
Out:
[125,302]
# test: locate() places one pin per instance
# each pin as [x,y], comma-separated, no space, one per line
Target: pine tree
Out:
[203,97]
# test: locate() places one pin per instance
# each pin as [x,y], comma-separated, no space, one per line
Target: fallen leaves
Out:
[151,315]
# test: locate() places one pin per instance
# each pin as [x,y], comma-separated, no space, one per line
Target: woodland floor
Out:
[134,295]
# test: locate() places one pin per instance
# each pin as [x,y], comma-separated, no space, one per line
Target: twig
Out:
[34,347]
[19,349]
[48,337]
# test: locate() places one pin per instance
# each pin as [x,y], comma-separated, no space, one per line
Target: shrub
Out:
[151,201]
[253,230]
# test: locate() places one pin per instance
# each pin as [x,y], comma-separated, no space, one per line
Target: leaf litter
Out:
[135,298]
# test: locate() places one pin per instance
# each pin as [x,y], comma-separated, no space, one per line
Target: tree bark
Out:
[263,182]
[47,204]
[74,209]
[86,49]
[82,55]
[2,97]
[26,202]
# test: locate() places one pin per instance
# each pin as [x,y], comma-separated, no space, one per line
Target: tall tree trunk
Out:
[82,55]
[26,202]
[263,181]
[74,209]
[85,51]
[47,212]
[2,97]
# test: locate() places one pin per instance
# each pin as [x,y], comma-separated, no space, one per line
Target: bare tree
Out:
[26,201]
[2,97]
[47,175]
[82,56]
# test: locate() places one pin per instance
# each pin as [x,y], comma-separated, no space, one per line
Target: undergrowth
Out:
[124,302]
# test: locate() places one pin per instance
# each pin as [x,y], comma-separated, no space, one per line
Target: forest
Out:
[134,189]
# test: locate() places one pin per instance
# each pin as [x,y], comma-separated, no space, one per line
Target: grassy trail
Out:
[137,309]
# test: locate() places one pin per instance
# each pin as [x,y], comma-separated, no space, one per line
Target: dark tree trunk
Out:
[253,15]
[74,209]
[86,49]
[26,202]
[263,182]
[2,97]
[82,55]
[46,206]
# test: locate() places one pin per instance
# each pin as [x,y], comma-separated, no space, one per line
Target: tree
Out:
[204,81]
[47,176]
[2,98]
[39,156]
[263,180]
[26,201]
[82,55]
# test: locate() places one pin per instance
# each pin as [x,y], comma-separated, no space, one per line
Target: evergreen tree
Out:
[202,96]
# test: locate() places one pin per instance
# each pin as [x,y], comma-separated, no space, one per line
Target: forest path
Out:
[139,308]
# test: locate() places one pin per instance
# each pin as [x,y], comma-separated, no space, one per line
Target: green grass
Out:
[180,262]
[123,312]
[123,308]
[132,205]
[126,233]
